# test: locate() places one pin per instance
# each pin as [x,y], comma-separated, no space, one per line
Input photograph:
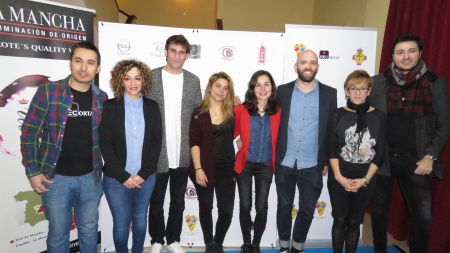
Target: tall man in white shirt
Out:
[178,93]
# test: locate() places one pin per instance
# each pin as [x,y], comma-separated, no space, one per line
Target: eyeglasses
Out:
[361,90]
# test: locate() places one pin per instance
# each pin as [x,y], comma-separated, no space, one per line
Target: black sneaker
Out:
[246,248]
[209,247]
[255,248]
[284,250]
[218,247]
[294,250]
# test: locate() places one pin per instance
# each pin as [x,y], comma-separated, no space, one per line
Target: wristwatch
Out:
[366,181]
[432,157]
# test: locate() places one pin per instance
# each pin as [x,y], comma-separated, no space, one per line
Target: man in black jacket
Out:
[417,106]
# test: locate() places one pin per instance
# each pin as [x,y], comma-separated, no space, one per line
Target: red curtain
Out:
[430,19]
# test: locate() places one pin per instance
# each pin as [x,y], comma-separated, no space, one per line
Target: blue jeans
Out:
[263,179]
[81,194]
[129,207]
[309,182]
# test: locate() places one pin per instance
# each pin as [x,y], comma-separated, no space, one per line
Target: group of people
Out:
[157,129]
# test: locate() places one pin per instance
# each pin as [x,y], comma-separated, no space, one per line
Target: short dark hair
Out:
[407,37]
[86,45]
[251,102]
[178,40]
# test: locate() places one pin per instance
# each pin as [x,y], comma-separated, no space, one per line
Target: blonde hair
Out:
[228,102]
[358,77]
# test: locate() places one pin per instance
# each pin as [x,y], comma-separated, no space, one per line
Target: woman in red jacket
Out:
[212,151]
[256,121]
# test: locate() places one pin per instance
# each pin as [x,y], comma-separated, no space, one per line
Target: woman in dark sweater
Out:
[211,142]
[356,148]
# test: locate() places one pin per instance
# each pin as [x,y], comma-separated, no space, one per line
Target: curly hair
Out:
[119,72]
[251,102]
[228,102]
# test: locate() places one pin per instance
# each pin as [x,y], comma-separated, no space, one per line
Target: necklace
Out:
[215,113]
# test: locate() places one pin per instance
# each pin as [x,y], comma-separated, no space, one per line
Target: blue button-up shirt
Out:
[134,133]
[260,144]
[303,129]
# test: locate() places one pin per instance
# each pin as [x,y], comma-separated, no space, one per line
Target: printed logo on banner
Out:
[196,51]
[299,48]
[227,53]
[157,49]
[325,55]
[320,207]
[123,47]
[262,54]
[41,30]
[359,57]
[191,221]
[191,192]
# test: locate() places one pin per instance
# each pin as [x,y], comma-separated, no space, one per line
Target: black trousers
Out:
[156,225]
[262,172]
[225,189]
[416,190]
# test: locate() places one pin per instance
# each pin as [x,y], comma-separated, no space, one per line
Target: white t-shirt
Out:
[173,91]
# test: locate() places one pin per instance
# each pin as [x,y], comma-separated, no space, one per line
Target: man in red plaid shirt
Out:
[61,153]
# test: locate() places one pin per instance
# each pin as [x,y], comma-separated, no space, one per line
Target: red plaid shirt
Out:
[43,128]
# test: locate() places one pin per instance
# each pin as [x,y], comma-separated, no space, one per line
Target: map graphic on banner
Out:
[35,43]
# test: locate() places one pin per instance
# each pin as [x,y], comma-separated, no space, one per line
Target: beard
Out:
[306,78]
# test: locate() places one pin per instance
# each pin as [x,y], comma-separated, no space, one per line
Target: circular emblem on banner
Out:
[123,46]
[227,53]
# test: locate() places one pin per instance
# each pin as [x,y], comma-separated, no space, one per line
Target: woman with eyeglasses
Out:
[356,149]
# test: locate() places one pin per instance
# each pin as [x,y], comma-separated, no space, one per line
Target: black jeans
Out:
[225,189]
[263,178]
[416,190]
[156,226]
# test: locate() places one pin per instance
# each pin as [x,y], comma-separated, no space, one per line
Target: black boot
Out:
[255,248]
[209,247]
[218,248]
[246,248]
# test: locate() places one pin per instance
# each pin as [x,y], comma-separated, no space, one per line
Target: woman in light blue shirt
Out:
[130,142]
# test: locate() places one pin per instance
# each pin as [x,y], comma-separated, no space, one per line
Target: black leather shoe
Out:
[246,248]
[218,247]
[209,247]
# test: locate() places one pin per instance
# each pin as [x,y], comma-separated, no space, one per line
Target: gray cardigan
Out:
[432,131]
[191,98]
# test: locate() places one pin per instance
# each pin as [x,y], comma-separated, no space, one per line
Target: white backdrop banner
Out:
[35,43]
[239,54]
[340,49]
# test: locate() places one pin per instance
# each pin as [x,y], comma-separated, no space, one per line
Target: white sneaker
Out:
[156,248]
[175,248]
